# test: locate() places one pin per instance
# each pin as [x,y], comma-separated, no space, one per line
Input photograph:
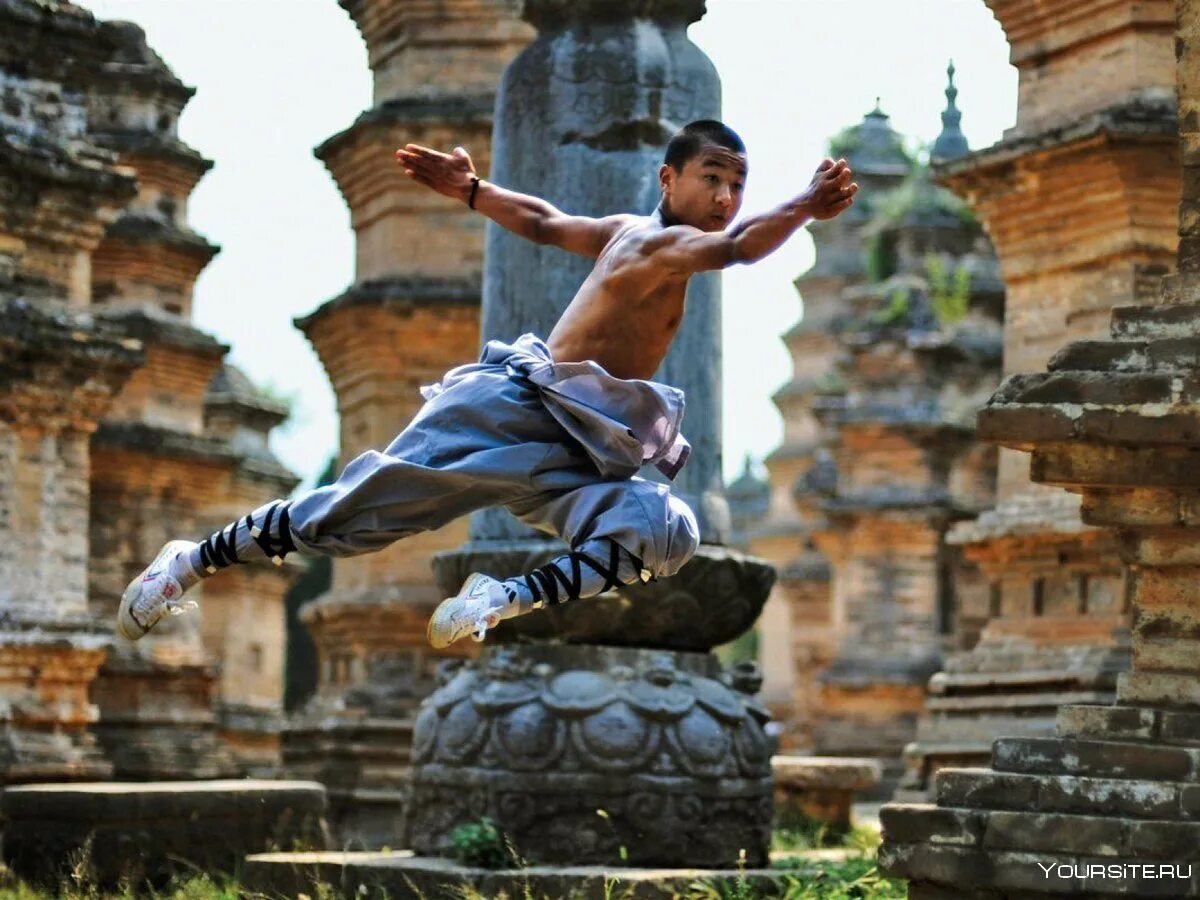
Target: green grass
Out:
[854,877]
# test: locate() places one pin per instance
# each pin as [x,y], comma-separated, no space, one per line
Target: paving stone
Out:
[927,822]
[1053,833]
[400,875]
[1110,759]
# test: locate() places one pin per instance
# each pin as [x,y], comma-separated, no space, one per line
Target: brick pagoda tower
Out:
[411,314]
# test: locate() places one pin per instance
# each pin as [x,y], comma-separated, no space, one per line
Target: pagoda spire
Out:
[951,143]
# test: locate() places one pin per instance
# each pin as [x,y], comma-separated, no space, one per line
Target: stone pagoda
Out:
[59,370]
[1079,198]
[799,608]
[625,711]
[1110,803]
[166,464]
[411,314]
[917,352]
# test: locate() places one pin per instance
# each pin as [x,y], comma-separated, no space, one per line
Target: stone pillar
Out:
[59,370]
[631,715]
[1079,201]
[1114,421]
[412,314]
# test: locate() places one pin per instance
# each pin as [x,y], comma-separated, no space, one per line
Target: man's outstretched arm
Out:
[532,218]
[688,250]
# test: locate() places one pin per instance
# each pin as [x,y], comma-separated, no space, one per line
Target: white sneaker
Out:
[153,594]
[473,611]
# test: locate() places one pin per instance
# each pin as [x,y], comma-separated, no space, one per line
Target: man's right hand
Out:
[831,191]
[447,173]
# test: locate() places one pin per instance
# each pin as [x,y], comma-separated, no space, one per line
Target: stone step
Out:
[1102,759]
[1018,874]
[1177,354]
[1175,321]
[1173,727]
[1082,795]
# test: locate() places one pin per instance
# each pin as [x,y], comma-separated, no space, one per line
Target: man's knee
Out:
[683,536]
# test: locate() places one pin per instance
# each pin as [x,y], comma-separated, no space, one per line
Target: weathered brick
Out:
[1112,356]
[985,789]
[1102,796]
[1133,426]
[1158,322]
[1069,465]
[1008,424]
[1106,722]
[1176,841]
[1112,388]
[1053,833]
[1130,507]
[1179,727]
[943,864]
[1158,689]
[1107,759]
[928,823]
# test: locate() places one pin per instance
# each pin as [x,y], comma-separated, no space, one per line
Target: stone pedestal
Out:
[578,751]
[1096,119]
[412,314]
[822,788]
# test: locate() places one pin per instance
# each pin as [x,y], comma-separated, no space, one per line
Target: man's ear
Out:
[666,177]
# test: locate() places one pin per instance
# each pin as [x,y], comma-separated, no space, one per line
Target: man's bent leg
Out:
[620,533]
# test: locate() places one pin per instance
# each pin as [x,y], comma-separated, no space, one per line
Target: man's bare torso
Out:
[627,311]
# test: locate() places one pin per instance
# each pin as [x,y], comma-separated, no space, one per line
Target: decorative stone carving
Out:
[578,751]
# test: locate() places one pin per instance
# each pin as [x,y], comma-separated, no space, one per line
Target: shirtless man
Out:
[554,431]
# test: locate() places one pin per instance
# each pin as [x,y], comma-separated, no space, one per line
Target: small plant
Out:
[896,312]
[481,845]
[949,292]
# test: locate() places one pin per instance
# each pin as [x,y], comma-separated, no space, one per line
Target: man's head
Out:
[703,174]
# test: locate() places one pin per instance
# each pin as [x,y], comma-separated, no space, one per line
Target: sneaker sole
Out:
[438,630]
[127,625]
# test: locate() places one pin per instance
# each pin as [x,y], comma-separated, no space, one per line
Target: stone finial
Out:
[553,14]
[951,143]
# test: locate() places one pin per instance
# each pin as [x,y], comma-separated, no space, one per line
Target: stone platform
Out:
[400,875]
[822,787]
[112,830]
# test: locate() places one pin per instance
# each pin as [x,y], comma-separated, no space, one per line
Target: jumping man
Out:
[554,431]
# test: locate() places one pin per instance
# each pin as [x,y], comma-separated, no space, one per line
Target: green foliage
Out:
[949,292]
[896,312]
[743,648]
[881,258]
[481,845]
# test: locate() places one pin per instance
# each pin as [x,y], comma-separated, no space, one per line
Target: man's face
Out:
[707,194]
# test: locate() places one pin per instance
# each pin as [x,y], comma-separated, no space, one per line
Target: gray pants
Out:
[491,435]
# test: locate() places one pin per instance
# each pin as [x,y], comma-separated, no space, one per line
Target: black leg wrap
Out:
[274,547]
[544,582]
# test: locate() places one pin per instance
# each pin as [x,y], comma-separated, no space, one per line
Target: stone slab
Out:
[150,831]
[401,875]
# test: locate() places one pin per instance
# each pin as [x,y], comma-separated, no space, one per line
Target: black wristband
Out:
[475,179]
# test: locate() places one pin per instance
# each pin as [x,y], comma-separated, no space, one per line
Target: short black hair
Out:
[689,140]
